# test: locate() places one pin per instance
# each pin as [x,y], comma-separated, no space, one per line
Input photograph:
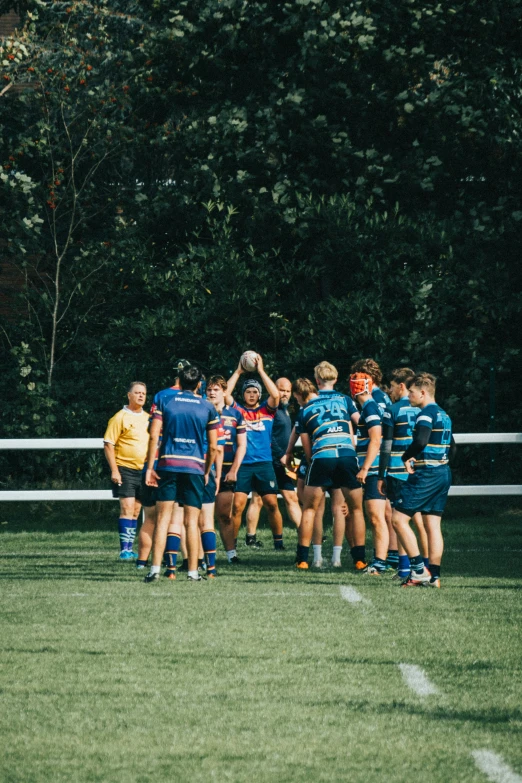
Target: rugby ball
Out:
[248,361]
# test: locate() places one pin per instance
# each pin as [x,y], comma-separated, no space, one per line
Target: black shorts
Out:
[130,486]
[185,488]
[333,473]
[370,489]
[257,477]
[209,493]
[148,494]
[226,486]
[394,488]
[284,482]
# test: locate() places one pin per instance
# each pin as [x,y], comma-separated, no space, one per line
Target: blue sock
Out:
[417,564]
[131,532]
[404,566]
[171,551]
[426,561]
[379,564]
[208,542]
[124,527]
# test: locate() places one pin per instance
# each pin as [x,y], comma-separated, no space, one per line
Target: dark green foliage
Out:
[307,179]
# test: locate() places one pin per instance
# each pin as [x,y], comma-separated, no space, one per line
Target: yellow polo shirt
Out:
[129,434]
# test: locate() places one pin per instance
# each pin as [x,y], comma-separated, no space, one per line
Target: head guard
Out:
[360,383]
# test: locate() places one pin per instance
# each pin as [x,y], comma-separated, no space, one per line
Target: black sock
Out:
[141,562]
[417,564]
[278,542]
[302,553]
[434,570]
[249,538]
[358,553]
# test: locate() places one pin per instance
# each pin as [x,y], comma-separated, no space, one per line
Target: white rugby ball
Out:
[248,361]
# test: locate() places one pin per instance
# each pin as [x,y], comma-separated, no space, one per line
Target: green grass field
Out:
[264,674]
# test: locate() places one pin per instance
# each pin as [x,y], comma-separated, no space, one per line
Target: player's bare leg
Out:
[421,535]
[226,528]
[292,506]
[238,506]
[253,512]
[317,533]
[275,520]
[146,533]
[312,497]
[356,532]
[190,521]
[164,509]
[419,573]
[208,537]
[432,524]
[375,510]
[339,516]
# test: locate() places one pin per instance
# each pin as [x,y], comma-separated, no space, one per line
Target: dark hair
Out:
[370,367]
[424,380]
[402,375]
[136,383]
[189,377]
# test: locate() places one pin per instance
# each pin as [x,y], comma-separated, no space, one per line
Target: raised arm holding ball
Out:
[256,472]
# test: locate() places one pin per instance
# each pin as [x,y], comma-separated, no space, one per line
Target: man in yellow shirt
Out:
[126,442]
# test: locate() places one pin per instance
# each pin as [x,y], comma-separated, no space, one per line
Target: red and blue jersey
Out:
[232,424]
[326,420]
[186,419]
[258,427]
[436,452]
[371,416]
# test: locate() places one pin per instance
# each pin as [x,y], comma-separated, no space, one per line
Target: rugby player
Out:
[369,431]
[235,443]
[281,431]
[427,461]
[125,445]
[327,438]
[256,472]
[183,470]
[397,428]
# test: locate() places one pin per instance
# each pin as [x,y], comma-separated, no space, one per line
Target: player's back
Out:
[401,416]
[436,452]
[326,419]
[185,418]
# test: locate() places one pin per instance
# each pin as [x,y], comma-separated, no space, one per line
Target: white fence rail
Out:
[59,444]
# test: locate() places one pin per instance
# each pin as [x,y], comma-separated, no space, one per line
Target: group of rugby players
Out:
[381,459]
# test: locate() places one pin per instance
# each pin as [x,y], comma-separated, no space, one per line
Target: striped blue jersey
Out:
[381,398]
[326,419]
[398,421]
[258,426]
[371,416]
[436,453]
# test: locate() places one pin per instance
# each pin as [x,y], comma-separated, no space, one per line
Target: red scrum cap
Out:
[360,383]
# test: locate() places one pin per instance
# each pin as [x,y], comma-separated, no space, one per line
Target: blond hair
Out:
[326,372]
[304,388]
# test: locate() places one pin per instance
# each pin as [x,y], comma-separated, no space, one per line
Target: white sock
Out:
[230,554]
[155,569]
[193,574]
[336,555]
[318,551]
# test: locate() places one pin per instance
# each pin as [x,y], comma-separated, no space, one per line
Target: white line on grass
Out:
[353,596]
[494,767]
[416,679]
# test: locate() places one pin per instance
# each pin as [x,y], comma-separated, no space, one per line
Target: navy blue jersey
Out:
[371,416]
[381,398]
[185,418]
[258,424]
[326,419]
[398,421]
[436,452]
